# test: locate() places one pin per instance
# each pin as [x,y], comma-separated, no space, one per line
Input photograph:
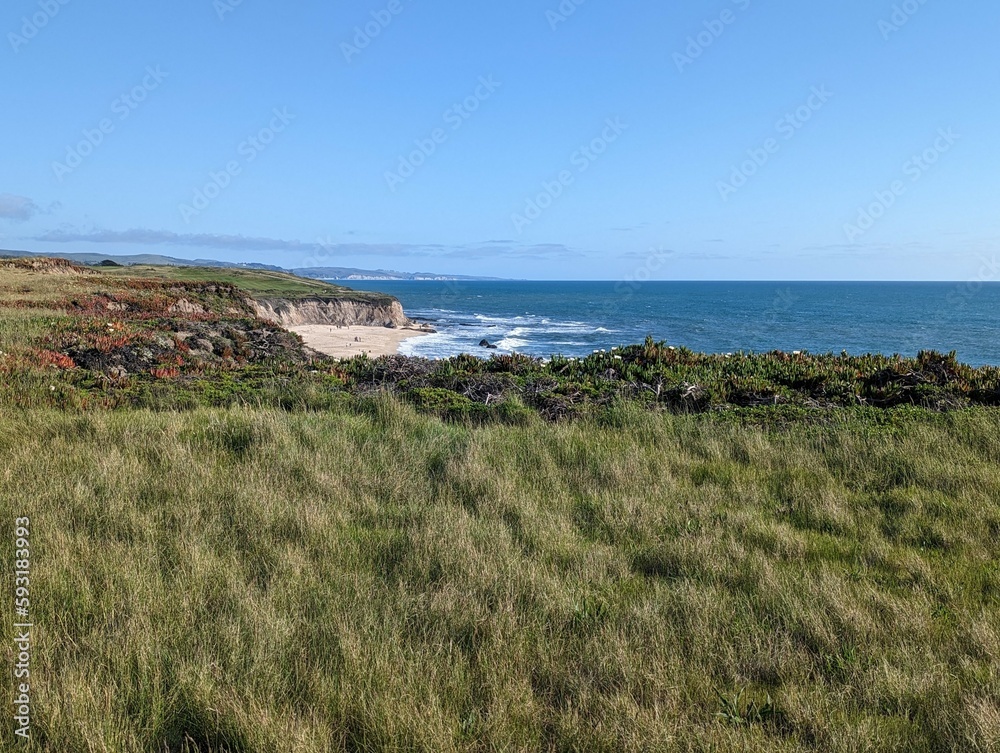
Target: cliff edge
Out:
[319,310]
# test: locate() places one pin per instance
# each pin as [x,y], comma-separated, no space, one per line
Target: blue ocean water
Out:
[576,318]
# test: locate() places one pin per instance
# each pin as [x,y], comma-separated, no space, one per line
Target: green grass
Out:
[259,283]
[68,334]
[370,579]
[643,550]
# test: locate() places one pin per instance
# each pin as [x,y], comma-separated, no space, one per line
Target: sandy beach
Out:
[344,342]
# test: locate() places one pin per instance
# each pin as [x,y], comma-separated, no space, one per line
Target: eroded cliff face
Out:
[293,313]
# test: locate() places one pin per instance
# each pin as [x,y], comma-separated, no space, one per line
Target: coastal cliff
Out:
[335,312]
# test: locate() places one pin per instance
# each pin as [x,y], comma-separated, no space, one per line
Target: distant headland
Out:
[315,273]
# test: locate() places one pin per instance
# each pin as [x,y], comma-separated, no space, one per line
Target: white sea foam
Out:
[438,345]
[500,319]
[511,343]
[460,332]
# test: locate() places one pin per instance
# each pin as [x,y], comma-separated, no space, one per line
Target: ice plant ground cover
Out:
[179,338]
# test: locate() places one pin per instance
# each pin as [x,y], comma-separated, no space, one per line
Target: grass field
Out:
[260,283]
[370,579]
[33,278]
[239,547]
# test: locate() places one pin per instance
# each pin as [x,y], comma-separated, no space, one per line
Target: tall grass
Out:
[369,579]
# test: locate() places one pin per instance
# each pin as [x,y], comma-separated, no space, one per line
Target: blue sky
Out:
[528,138]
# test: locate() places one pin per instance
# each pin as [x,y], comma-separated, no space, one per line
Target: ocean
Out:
[577,318]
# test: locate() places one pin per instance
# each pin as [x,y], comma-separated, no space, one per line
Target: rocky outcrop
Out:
[43,265]
[293,313]
[186,308]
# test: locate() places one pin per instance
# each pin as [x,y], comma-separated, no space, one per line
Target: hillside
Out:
[157,260]
[350,273]
[240,546]
[318,273]
[259,283]
[138,325]
[113,334]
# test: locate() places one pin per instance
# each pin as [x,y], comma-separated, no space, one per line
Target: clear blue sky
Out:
[329,187]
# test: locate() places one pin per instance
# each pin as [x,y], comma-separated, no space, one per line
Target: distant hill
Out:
[347,273]
[315,273]
[144,259]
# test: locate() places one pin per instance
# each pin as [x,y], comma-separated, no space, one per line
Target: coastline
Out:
[353,340]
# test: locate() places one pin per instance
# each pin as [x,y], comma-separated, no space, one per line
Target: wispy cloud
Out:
[643,255]
[866,249]
[145,237]
[17,208]
[498,250]
[317,253]
[631,228]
